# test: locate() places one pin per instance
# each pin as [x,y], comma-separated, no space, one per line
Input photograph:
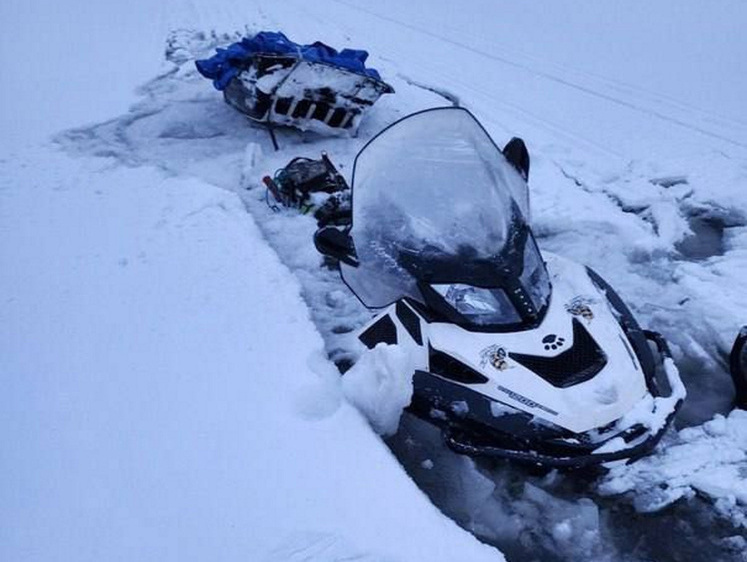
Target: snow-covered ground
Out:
[166,396]
[167,355]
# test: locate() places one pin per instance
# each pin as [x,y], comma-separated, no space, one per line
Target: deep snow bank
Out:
[164,396]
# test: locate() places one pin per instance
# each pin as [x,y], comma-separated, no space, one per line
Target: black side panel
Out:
[738,363]
[575,365]
[630,325]
[446,366]
[434,393]
[410,321]
[382,331]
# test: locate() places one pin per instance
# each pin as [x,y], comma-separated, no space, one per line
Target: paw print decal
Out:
[552,341]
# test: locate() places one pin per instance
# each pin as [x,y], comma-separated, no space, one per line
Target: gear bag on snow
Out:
[307,185]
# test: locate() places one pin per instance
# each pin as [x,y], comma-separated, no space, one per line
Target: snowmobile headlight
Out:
[479,305]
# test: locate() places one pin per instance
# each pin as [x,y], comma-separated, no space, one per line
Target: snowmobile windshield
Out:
[433,183]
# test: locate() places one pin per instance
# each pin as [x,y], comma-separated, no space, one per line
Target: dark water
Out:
[706,241]
[553,517]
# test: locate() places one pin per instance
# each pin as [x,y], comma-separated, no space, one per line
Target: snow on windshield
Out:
[434,180]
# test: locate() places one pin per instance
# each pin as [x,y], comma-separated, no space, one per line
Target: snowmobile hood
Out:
[577,370]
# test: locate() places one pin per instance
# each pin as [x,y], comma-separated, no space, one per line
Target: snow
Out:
[380,386]
[708,459]
[166,397]
[497,409]
[167,356]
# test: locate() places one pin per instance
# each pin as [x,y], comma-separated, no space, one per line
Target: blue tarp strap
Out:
[222,67]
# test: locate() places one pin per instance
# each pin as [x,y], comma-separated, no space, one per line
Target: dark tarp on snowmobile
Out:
[228,62]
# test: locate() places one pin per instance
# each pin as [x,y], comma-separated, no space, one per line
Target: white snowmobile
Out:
[519,354]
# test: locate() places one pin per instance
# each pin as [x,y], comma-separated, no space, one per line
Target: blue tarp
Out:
[227,63]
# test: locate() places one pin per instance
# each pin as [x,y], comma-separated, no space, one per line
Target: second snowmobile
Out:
[738,368]
[519,354]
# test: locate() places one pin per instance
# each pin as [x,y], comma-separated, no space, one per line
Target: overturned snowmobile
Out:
[274,81]
[519,355]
